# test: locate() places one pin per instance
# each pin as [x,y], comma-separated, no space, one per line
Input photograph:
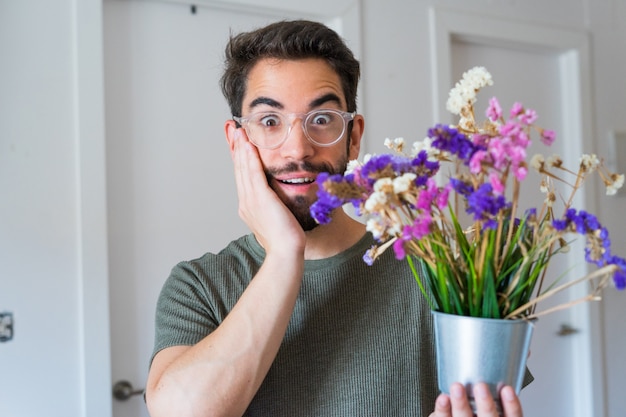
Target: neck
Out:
[330,239]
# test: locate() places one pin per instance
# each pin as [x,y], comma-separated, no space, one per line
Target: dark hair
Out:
[292,40]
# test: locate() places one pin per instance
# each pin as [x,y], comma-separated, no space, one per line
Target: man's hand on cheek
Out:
[259,206]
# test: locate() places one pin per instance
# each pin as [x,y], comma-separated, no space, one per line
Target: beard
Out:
[300,205]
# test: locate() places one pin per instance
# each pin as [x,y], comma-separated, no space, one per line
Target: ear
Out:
[230,129]
[358,125]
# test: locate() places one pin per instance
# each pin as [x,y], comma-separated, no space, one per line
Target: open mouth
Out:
[298,181]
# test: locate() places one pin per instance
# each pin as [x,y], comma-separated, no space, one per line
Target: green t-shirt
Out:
[360,341]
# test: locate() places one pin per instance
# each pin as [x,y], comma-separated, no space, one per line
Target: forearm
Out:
[221,374]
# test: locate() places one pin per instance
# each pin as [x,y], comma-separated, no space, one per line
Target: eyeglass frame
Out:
[347,118]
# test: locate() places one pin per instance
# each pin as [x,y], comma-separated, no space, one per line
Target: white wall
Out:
[44,110]
[50,90]
[38,212]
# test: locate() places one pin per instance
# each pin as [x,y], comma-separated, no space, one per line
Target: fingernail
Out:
[442,401]
[507,394]
[481,391]
[456,391]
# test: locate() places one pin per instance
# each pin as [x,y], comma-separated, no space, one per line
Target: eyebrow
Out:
[330,97]
[267,101]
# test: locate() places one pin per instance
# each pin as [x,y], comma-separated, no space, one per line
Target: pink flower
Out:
[516,109]
[521,139]
[517,154]
[548,136]
[481,139]
[498,152]
[520,173]
[494,111]
[528,117]
[510,128]
[475,164]
[398,248]
[496,183]
[442,198]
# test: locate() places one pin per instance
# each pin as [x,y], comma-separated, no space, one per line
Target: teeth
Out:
[298,181]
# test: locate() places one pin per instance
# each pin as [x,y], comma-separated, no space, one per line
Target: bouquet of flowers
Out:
[495,266]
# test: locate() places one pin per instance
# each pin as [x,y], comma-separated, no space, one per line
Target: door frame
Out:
[93,298]
[93,270]
[572,49]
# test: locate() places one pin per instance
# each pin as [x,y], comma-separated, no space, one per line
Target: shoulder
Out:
[239,256]
[215,276]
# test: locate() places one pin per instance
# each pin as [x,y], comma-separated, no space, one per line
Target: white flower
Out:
[456,102]
[537,162]
[425,145]
[589,162]
[383,185]
[375,201]
[375,228]
[403,183]
[464,92]
[395,145]
[554,161]
[618,182]
[352,165]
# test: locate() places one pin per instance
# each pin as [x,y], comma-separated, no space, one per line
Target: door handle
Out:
[567,330]
[123,390]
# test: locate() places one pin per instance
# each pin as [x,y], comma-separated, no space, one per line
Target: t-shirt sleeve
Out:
[183,314]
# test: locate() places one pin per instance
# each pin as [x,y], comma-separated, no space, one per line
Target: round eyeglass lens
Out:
[324,127]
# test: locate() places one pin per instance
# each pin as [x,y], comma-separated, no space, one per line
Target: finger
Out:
[442,407]
[460,403]
[511,404]
[485,404]
[249,176]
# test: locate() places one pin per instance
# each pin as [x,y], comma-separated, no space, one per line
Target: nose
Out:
[297,145]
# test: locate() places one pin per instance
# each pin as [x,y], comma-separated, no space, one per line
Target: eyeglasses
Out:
[269,130]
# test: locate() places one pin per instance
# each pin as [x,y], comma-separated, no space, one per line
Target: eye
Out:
[268,120]
[322,118]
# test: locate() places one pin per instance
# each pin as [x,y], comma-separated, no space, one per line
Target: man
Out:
[289,321]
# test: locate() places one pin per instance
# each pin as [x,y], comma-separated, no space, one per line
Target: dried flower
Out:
[497,265]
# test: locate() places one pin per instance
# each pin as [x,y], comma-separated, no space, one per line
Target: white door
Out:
[171,192]
[534,78]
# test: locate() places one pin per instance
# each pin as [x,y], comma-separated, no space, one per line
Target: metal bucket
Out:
[473,349]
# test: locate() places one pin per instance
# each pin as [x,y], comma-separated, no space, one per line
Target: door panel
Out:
[171,192]
[540,89]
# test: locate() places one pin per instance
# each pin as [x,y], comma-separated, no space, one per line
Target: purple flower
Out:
[326,202]
[559,224]
[323,207]
[424,168]
[484,204]
[581,221]
[368,257]
[619,277]
[598,250]
[399,164]
[449,139]
[461,187]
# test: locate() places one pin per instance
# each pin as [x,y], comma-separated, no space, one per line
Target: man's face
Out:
[298,87]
